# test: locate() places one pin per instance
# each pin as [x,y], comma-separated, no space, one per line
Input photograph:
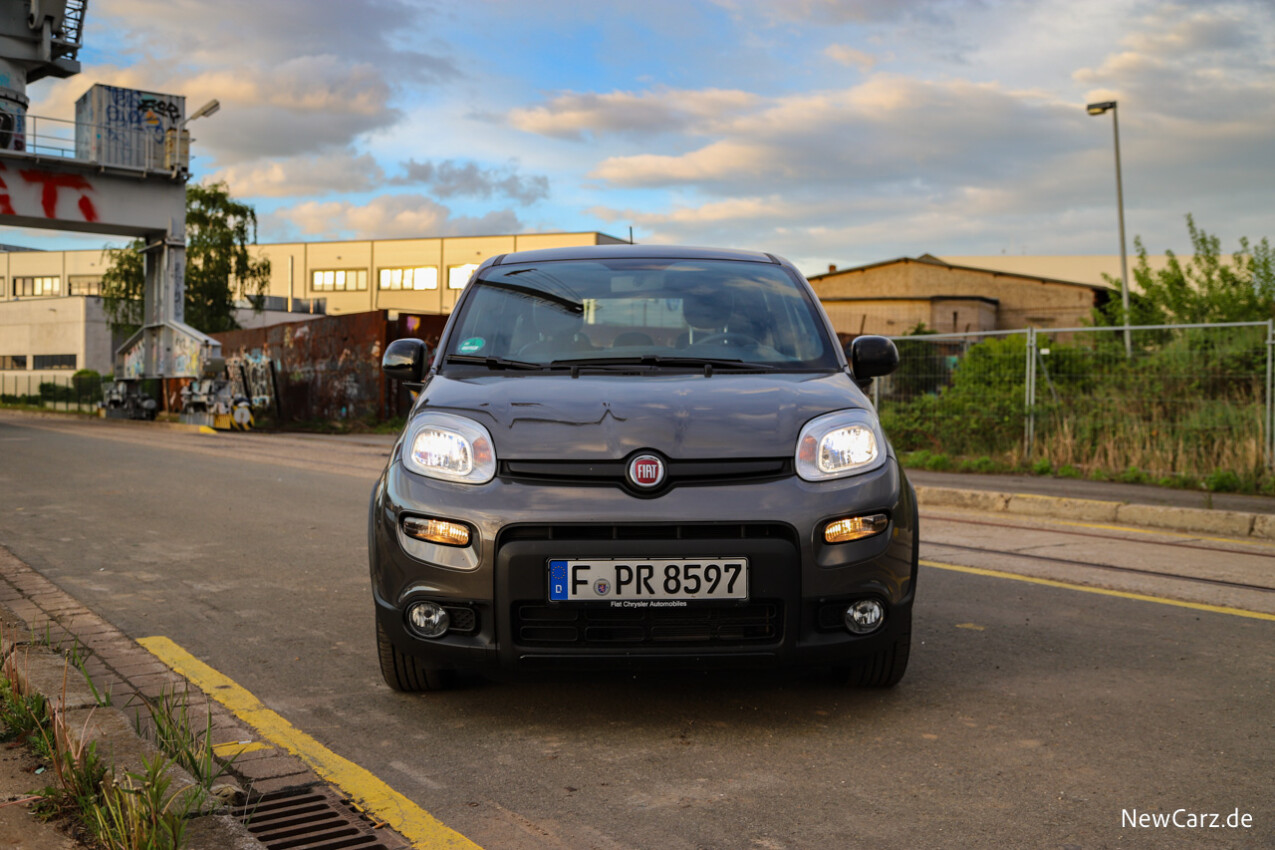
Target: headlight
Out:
[847,442]
[453,448]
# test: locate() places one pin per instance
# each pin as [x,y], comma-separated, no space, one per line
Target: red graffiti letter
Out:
[52,182]
[6,207]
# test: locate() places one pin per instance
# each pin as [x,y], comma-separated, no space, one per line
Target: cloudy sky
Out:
[828,131]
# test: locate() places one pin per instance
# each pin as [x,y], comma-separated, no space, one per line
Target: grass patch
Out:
[107,808]
[173,732]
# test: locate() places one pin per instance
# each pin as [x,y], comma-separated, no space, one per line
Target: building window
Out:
[32,286]
[419,277]
[84,284]
[458,276]
[339,280]
[54,361]
[10,362]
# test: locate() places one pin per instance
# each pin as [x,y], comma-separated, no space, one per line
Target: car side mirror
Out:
[872,357]
[405,360]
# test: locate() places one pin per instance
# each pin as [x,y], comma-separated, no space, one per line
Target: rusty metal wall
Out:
[329,368]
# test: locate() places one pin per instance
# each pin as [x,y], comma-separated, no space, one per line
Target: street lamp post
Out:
[1098,109]
[177,139]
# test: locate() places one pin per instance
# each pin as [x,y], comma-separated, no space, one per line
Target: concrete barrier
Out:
[1191,520]
[1089,510]
[1230,523]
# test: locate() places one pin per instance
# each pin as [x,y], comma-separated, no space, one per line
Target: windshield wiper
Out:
[499,362]
[534,292]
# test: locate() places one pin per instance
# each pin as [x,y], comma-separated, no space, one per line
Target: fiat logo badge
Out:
[646,471]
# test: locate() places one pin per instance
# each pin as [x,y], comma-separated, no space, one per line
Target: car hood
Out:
[605,417]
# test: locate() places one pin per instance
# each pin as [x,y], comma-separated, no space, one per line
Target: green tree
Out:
[219,267]
[1205,289]
[123,283]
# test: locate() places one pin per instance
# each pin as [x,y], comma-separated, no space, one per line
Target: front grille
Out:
[683,473]
[672,531]
[538,624]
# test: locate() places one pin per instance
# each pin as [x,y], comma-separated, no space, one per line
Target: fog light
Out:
[864,616]
[854,528]
[428,619]
[436,531]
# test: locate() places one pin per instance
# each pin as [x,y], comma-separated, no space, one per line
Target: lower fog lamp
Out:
[428,619]
[864,616]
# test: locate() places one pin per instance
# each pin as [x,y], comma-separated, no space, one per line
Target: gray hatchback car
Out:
[631,456]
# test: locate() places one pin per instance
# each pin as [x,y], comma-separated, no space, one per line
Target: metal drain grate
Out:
[313,819]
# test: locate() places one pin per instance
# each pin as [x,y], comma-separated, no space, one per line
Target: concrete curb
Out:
[1195,520]
[80,721]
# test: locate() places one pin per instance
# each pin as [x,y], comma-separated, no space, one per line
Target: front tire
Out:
[406,673]
[885,668]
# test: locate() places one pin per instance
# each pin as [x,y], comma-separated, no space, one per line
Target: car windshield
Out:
[654,312]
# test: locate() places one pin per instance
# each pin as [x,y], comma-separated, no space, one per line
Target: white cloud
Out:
[1207,65]
[846,55]
[318,174]
[887,129]
[385,217]
[719,161]
[573,115]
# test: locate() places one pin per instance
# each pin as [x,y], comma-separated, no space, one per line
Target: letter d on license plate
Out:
[605,579]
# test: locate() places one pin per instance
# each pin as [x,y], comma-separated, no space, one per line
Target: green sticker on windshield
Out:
[474,343]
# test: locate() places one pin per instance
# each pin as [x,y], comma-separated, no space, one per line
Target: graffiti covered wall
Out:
[326,368]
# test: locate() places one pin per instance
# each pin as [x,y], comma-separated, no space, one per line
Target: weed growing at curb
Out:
[132,811]
[174,733]
[77,658]
[139,813]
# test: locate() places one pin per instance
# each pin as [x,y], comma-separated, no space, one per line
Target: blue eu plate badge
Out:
[558,580]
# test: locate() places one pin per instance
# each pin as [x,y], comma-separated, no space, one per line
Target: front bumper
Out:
[798,584]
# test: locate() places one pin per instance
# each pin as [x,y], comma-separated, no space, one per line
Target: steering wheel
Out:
[733,338]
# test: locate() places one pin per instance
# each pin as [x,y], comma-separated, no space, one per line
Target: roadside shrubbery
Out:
[1186,410]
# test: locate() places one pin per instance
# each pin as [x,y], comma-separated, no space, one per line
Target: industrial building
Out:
[894,296]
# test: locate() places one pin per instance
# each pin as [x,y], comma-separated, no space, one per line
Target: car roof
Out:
[624,250]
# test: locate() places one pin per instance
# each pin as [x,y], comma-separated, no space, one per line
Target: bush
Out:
[1222,481]
[1188,402]
[1133,475]
[982,464]
[88,385]
[1042,467]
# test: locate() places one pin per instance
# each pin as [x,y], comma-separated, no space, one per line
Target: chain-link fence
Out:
[1188,400]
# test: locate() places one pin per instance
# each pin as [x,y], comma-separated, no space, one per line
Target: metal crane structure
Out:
[120,168]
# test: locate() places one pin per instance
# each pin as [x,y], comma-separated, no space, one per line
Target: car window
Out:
[570,311]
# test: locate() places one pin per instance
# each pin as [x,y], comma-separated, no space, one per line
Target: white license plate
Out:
[620,579]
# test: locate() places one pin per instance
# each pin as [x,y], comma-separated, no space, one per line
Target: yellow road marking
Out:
[974,627]
[1102,591]
[238,748]
[371,794]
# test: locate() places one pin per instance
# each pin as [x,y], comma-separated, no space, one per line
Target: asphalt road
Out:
[1031,716]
